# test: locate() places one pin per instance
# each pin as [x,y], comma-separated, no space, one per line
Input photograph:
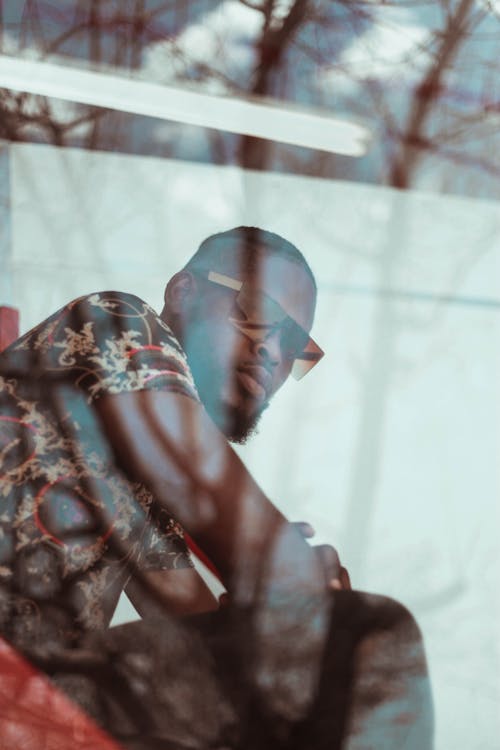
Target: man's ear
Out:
[180,292]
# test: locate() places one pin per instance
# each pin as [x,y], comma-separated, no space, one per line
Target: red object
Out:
[35,715]
[9,326]
[202,556]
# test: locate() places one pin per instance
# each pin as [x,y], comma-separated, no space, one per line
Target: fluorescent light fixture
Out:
[234,115]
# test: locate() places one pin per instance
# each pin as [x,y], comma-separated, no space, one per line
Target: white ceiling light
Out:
[235,115]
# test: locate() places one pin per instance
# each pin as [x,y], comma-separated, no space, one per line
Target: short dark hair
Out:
[249,242]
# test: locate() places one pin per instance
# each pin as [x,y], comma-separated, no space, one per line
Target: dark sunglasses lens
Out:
[257,307]
[301,367]
[259,311]
[293,339]
[310,356]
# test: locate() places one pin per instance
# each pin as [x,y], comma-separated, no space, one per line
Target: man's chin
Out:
[234,413]
[237,426]
[240,433]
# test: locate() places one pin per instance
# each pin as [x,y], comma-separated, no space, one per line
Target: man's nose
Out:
[269,347]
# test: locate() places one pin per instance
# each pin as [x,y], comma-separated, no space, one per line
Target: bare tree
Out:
[461,21]
[434,113]
[276,36]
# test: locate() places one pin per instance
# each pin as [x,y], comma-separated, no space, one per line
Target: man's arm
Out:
[168,442]
[183,592]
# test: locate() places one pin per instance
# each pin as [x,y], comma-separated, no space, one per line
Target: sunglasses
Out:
[257,315]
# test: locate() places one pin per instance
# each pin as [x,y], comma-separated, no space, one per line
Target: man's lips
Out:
[255,380]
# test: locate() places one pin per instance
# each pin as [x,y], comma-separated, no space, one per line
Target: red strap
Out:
[202,556]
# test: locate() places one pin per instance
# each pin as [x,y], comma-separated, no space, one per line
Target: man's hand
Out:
[337,577]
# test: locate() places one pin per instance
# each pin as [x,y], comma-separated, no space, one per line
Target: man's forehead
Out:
[284,280]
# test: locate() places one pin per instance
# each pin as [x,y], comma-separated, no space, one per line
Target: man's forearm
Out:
[181,592]
[169,443]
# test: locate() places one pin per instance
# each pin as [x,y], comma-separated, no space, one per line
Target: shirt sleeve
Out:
[108,342]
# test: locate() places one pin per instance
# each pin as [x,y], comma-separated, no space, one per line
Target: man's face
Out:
[236,376]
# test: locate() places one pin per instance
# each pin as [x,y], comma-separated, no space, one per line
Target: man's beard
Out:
[237,427]
[232,421]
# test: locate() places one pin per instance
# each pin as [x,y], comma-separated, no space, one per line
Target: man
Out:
[115,426]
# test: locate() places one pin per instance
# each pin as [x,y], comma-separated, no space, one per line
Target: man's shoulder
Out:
[103,342]
[109,300]
[109,321]
[107,303]
[86,313]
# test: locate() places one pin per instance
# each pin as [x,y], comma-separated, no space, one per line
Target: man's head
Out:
[242,308]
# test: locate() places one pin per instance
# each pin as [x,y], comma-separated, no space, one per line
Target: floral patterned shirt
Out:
[72,526]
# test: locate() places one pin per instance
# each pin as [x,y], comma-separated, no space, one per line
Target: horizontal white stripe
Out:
[236,115]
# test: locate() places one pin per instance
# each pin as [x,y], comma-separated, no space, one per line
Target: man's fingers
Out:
[330,560]
[336,575]
[345,579]
[304,528]
[343,582]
